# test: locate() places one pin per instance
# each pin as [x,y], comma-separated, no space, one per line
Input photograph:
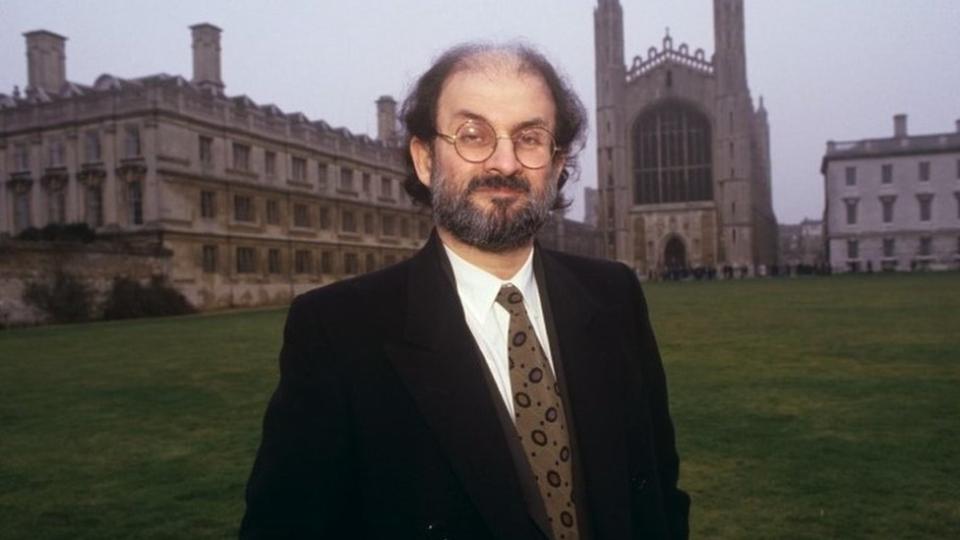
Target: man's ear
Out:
[422,156]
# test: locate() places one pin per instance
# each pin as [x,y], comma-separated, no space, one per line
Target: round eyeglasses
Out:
[475,141]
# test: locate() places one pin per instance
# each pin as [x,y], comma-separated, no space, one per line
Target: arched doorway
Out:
[675,254]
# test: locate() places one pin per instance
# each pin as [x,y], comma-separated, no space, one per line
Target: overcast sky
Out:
[827,69]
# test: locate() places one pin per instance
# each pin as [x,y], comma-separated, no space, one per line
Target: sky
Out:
[827,69]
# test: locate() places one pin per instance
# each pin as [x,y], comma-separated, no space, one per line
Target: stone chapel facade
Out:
[683,164]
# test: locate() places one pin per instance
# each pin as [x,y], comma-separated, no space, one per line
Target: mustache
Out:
[513,182]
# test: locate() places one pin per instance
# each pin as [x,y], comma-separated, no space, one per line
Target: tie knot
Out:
[510,298]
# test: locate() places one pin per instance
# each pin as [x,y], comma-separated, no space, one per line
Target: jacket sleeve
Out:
[676,502]
[302,480]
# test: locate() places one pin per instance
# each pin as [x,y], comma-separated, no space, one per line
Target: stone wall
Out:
[96,264]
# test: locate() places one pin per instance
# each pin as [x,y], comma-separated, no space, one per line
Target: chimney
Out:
[206,57]
[899,125]
[958,125]
[46,61]
[387,119]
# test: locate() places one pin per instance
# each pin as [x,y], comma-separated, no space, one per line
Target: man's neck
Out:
[503,264]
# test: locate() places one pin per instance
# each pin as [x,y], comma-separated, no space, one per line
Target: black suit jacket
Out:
[384,425]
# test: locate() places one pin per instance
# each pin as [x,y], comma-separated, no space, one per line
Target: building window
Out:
[926,246]
[924,171]
[242,208]
[241,157]
[851,176]
[91,147]
[386,187]
[21,211]
[326,262]
[346,179]
[57,206]
[351,263]
[853,249]
[886,173]
[135,198]
[889,245]
[56,150]
[887,204]
[366,183]
[325,218]
[387,225]
[368,226]
[273,212]
[206,150]
[672,156]
[209,259]
[273,261]
[424,228]
[94,206]
[389,259]
[348,221]
[371,262]
[270,163]
[21,157]
[302,262]
[925,201]
[246,260]
[851,210]
[208,204]
[298,169]
[323,172]
[404,227]
[131,141]
[301,215]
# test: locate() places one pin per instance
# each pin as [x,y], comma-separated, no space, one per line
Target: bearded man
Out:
[486,388]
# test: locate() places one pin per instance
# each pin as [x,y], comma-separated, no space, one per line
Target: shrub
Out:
[65,300]
[56,232]
[129,299]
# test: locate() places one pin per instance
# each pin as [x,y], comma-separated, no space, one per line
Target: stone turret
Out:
[613,194]
[387,120]
[46,61]
[206,57]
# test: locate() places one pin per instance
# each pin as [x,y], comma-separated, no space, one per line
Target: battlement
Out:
[667,54]
[165,94]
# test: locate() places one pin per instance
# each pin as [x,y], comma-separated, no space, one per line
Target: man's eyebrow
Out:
[533,122]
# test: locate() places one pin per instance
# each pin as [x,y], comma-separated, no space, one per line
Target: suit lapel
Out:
[586,343]
[439,364]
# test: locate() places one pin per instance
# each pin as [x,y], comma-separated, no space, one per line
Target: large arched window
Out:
[671,156]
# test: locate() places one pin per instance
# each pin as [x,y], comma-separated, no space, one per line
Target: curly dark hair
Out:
[419,110]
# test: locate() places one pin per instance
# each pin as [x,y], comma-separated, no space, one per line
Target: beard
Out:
[509,223]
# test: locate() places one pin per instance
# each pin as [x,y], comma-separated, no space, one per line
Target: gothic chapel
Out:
[683,164]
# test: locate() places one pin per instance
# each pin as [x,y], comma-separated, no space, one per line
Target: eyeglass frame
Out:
[452,139]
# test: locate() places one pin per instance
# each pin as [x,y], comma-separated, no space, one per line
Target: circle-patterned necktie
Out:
[539,417]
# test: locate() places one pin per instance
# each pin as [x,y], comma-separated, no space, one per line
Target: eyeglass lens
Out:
[477,141]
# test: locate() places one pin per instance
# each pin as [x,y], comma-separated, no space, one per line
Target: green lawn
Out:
[805,408]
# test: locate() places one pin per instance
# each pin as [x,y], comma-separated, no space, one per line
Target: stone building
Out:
[571,236]
[255,204]
[893,203]
[683,155]
[802,243]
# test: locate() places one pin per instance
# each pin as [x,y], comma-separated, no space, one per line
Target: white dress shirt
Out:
[489,322]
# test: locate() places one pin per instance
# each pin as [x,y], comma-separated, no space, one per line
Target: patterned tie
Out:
[540,421]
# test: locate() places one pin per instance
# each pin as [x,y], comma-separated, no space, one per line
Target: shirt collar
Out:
[478,288]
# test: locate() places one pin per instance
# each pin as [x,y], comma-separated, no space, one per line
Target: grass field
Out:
[805,408]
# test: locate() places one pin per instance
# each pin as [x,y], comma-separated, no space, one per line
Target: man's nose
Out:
[504,159]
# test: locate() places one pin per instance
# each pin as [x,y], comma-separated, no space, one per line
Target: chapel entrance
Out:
[675,254]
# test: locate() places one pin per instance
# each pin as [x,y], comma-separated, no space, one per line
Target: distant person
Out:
[487,387]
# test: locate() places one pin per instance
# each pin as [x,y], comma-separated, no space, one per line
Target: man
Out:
[487,387]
